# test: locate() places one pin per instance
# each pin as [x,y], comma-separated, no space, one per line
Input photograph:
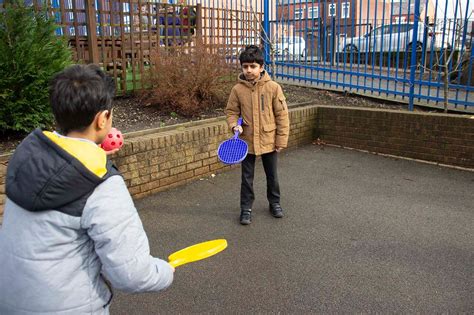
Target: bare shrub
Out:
[189,81]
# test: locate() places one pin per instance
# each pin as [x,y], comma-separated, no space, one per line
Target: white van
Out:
[291,47]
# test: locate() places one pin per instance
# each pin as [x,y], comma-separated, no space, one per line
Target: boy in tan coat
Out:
[265,128]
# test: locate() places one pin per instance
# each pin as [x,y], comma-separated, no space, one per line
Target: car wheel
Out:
[419,47]
[350,49]
[303,55]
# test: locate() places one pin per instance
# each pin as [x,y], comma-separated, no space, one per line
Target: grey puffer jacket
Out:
[69,222]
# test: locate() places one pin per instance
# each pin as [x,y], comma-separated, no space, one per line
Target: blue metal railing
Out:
[414,51]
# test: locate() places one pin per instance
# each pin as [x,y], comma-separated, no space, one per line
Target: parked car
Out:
[391,37]
[291,47]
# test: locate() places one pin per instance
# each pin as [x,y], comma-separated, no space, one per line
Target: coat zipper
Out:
[262,104]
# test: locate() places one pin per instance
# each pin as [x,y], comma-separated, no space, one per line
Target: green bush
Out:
[30,53]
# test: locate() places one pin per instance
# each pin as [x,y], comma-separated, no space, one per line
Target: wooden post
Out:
[91,26]
[199,24]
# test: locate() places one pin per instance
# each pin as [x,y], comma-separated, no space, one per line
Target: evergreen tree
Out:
[30,53]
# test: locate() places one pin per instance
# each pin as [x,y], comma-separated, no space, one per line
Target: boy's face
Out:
[251,71]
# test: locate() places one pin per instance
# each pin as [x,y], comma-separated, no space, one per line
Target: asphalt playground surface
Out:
[361,233]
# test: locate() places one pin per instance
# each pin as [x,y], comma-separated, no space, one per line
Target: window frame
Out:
[298,14]
[345,9]
[311,12]
[330,6]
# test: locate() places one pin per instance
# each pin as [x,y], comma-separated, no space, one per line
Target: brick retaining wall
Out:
[154,160]
[3,171]
[441,138]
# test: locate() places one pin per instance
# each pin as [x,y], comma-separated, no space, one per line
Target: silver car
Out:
[391,37]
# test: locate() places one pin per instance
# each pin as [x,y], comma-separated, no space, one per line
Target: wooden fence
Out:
[122,35]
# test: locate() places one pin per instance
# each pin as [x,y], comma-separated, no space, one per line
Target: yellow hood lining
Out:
[89,154]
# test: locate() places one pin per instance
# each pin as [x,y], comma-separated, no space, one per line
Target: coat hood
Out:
[264,77]
[50,172]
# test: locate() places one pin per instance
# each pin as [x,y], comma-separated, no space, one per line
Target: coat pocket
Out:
[282,100]
[268,136]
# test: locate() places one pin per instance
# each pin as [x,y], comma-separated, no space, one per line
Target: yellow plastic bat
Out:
[197,252]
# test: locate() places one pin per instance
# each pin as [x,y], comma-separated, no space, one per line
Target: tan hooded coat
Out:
[264,111]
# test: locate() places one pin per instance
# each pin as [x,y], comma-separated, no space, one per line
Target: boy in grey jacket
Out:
[69,218]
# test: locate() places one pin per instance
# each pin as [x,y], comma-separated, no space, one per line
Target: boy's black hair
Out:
[251,54]
[77,94]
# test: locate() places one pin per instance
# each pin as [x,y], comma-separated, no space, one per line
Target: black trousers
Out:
[247,195]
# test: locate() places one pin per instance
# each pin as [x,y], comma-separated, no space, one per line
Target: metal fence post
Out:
[91,27]
[266,27]
[416,17]
[333,41]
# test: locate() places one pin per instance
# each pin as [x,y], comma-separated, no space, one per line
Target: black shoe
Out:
[276,210]
[246,216]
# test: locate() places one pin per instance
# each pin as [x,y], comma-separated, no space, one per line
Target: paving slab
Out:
[361,233]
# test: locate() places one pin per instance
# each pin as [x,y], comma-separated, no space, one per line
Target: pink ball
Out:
[113,140]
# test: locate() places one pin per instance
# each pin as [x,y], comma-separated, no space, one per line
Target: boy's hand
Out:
[111,151]
[278,149]
[238,128]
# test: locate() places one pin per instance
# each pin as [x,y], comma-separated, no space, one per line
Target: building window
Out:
[345,10]
[299,14]
[313,13]
[71,14]
[400,19]
[332,9]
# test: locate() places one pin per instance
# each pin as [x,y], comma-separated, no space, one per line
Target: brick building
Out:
[323,23]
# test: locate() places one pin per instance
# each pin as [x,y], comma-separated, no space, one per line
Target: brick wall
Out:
[441,138]
[3,171]
[155,160]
